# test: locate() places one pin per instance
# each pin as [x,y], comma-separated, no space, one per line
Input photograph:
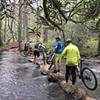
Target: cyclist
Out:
[36,52]
[26,48]
[42,50]
[58,48]
[72,55]
[38,48]
[30,47]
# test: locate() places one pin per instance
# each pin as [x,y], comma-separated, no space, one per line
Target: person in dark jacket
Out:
[36,52]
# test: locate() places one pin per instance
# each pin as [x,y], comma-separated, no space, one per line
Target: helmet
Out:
[30,41]
[58,37]
[68,40]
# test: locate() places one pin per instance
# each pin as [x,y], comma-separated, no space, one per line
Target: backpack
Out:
[60,47]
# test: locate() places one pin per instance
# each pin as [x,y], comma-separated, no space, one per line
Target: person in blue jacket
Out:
[59,46]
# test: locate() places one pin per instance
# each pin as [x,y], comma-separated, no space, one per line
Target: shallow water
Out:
[21,80]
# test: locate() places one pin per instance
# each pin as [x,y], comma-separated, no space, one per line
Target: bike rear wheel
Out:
[88,78]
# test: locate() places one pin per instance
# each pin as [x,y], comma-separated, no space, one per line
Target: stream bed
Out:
[22,80]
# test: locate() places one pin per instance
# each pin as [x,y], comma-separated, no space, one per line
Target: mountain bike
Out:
[50,59]
[87,76]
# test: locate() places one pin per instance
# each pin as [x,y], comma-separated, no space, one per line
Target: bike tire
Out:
[86,75]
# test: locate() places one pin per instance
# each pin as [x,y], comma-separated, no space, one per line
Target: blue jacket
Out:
[59,46]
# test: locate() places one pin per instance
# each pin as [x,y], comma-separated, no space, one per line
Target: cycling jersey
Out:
[72,55]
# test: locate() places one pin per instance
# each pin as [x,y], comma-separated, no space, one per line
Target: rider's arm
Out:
[78,56]
[55,46]
[64,53]
[43,46]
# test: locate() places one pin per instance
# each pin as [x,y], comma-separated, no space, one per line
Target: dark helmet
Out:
[58,37]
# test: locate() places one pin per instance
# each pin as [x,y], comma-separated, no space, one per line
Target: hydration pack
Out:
[60,47]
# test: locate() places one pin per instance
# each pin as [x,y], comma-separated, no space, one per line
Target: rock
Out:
[44,69]
[31,60]
[90,98]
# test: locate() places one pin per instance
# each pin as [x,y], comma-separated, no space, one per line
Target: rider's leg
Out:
[52,62]
[67,73]
[73,72]
[43,54]
[34,59]
[58,63]
[35,56]
[59,66]
[55,63]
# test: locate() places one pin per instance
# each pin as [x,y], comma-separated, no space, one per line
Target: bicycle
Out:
[84,73]
[50,59]
[87,76]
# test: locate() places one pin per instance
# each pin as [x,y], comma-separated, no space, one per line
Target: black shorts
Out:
[36,53]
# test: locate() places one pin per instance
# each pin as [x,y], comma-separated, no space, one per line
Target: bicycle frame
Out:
[88,77]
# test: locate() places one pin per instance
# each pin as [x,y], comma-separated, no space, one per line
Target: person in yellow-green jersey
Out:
[72,55]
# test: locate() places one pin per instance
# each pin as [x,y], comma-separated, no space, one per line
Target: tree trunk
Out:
[25,22]
[45,35]
[11,28]
[99,44]
[64,38]
[1,43]
[20,24]
[13,21]
[5,29]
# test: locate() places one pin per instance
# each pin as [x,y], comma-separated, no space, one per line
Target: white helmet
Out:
[68,40]
[58,37]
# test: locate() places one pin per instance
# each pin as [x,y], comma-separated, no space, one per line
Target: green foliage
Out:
[5,9]
[88,52]
[98,23]
[78,33]
[90,47]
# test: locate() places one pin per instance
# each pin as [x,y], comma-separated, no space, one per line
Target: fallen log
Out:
[75,91]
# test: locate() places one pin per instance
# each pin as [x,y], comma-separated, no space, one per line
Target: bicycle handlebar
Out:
[80,62]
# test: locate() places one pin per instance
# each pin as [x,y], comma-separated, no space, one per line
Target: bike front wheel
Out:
[89,78]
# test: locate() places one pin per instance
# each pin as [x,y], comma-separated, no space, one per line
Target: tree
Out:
[4,13]
[77,11]
[93,18]
[62,11]
[20,24]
